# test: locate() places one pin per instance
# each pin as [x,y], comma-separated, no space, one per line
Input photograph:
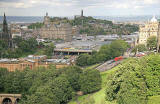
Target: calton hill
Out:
[91,26]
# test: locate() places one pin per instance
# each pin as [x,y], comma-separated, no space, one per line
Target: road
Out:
[108,65]
[111,63]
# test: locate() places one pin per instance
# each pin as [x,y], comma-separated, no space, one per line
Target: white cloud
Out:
[75,5]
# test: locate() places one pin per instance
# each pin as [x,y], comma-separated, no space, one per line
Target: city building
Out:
[52,30]
[5,34]
[16,30]
[151,28]
[32,62]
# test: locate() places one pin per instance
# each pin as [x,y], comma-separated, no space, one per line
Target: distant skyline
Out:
[74,7]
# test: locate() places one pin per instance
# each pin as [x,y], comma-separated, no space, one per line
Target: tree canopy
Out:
[152,43]
[49,85]
[134,81]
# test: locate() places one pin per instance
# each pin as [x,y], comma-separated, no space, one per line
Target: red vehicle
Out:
[118,58]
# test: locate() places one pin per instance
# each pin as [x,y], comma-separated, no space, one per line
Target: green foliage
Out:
[90,81]
[49,50]
[3,73]
[139,48]
[73,78]
[82,60]
[135,80]
[118,47]
[107,52]
[24,47]
[152,43]
[48,86]
[35,25]
[3,47]
[92,26]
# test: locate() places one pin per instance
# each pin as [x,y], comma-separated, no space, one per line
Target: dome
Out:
[154,19]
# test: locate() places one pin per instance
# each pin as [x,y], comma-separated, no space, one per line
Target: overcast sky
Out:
[73,7]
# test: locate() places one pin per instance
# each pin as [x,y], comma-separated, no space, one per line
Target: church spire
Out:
[5,25]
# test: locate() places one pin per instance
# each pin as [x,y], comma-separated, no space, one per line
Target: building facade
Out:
[151,28]
[32,62]
[52,30]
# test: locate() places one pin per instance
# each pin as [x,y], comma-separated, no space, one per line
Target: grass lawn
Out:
[92,66]
[154,100]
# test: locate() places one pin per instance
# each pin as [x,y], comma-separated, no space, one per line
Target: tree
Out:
[152,43]
[35,25]
[43,95]
[3,74]
[105,52]
[82,60]
[118,47]
[140,48]
[3,48]
[90,81]
[49,50]
[73,78]
[134,81]
[127,85]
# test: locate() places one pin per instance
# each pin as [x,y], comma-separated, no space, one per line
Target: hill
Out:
[141,74]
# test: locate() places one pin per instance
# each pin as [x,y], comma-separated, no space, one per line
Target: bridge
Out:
[71,51]
[10,98]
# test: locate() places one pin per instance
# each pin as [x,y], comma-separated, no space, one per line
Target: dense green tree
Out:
[49,50]
[139,48]
[90,81]
[82,60]
[73,73]
[35,25]
[118,47]
[134,81]
[3,74]
[23,47]
[43,95]
[49,86]
[152,43]
[105,51]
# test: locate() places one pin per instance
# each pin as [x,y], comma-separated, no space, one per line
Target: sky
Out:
[74,7]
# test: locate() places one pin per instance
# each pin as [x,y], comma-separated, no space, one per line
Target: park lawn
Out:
[92,66]
[99,96]
[154,100]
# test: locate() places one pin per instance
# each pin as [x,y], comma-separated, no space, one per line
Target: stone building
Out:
[5,34]
[151,28]
[15,30]
[32,62]
[52,30]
